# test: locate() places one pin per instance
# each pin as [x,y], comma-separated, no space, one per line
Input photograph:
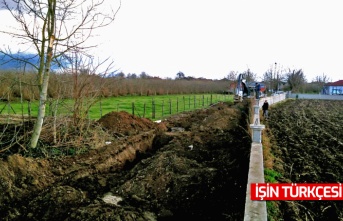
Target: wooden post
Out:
[162,108]
[170,106]
[153,109]
[133,108]
[177,105]
[100,108]
[144,110]
[189,102]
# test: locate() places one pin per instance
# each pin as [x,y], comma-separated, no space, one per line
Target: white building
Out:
[333,88]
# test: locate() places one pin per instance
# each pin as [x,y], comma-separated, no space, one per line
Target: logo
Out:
[296,191]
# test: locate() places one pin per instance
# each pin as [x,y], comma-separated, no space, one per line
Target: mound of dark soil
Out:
[125,123]
[190,166]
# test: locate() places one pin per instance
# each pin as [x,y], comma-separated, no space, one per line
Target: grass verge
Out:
[270,175]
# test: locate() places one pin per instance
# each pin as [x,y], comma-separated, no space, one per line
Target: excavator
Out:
[241,90]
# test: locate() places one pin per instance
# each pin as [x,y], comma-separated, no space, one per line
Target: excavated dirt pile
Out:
[190,166]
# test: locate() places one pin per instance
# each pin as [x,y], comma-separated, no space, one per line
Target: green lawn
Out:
[153,107]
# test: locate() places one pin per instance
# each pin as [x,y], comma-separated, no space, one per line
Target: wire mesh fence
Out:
[148,107]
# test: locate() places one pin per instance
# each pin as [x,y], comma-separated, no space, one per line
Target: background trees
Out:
[274,77]
[296,80]
[53,29]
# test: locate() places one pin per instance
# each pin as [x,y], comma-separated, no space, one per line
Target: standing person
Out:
[265,107]
[257,90]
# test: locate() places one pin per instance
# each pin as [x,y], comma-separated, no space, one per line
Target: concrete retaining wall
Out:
[315,96]
[272,99]
[257,210]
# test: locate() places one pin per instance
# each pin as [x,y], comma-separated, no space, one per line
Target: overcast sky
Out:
[210,38]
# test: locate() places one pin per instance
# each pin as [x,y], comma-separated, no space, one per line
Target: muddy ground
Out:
[307,138]
[191,166]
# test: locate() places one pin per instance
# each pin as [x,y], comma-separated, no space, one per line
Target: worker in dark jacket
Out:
[265,107]
[257,90]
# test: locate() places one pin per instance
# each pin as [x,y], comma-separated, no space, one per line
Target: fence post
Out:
[203,100]
[189,102]
[184,105]
[194,102]
[153,109]
[211,100]
[177,105]
[162,108]
[170,106]
[100,109]
[133,108]
[144,110]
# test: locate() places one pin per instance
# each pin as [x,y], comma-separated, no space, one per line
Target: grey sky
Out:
[210,38]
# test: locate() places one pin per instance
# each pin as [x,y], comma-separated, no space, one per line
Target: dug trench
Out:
[191,166]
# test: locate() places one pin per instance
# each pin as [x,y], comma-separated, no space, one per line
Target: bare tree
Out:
[144,75]
[54,28]
[318,83]
[232,76]
[296,79]
[274,77]
[249,75]
[321,79]
[131,76]
[268,79]
[88,83]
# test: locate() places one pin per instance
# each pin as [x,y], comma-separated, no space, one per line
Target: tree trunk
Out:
[41,113]
[43,92]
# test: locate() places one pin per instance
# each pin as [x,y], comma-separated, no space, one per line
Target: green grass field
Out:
[152,107]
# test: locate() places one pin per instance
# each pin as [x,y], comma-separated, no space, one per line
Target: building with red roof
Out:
[333,88]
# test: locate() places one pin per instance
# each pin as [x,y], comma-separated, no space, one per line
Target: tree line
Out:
[15,85]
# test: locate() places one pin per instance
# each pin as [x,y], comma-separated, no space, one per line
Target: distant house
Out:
[333,88]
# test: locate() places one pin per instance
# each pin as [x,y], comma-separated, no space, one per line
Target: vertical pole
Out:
[153,109]
[170,106]
[100,109]
[177,105]
[184,105]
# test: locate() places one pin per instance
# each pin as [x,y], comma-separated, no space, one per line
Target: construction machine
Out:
[241,90]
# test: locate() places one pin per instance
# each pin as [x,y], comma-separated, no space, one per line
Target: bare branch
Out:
[54,28]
